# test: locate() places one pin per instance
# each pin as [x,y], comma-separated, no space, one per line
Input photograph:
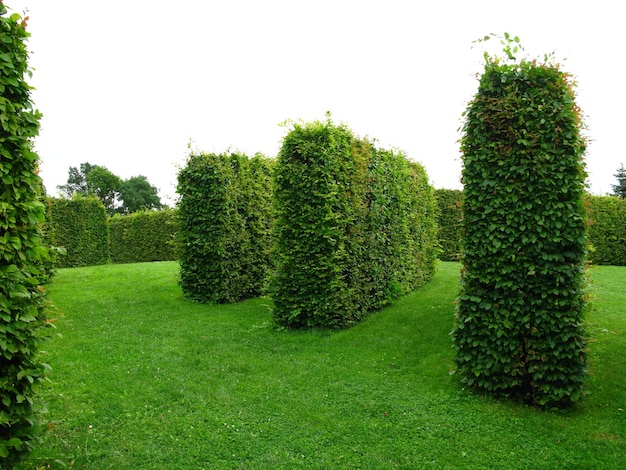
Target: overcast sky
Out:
[130,84]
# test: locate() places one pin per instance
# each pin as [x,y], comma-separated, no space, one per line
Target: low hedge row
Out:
[607,230]
[89,237]
[143,236]
[80,226]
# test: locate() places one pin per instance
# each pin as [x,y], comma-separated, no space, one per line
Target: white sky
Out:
[128,84]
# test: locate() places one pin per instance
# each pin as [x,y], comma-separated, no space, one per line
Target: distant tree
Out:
[105,186]
[138,194]
[620,188]
[76,181]
[117,195]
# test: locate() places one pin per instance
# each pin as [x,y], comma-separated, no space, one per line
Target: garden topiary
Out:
[519,322]
[354,227]
[23,256]
[224,219]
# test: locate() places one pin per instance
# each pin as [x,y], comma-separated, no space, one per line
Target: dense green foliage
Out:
[606,227]
[519,327]
[77,181]
[79,226]
[224,226]
[137,194]
[118,196]
[143,236]
[23,321]
[93,181]
[86,236]
[354,227]
[449,218]
[421,213]
[607,230]
[104,185]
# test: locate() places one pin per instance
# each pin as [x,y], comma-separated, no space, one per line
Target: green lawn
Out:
[144,379]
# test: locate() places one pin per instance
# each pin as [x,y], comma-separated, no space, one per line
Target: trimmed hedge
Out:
[143,236]
[24,325]
[224,226]
[518,328]
[354,227]
[79,226]
[607,230]
[449,220]
[423,227]
[50,264]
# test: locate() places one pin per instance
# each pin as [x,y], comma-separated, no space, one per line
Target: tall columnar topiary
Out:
[224,226]
[354,227]
[314,196]
[518,328]
[23,323]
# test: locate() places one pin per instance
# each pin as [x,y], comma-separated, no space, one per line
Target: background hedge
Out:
[423,227]
[143,236]
[449,220]
[519,328]
[351,230]
[606,227]
[80,227]
[607,230]
[224,226]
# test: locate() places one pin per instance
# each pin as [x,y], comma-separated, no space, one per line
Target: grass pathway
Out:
[143,379]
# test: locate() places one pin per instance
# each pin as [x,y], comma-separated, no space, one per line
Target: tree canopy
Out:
[138,194]
[117,195]
[619,189]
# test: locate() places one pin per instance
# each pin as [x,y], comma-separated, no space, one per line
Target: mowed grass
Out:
[142,378]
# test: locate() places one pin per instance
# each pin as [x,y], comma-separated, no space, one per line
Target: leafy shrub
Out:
[50,263]
[351,228]
[318,197]
[423,227]
[23,322]
[79,226]
[607,230]
[449,218]
[143,236]
[224,226]
[518,328]
[606,227]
